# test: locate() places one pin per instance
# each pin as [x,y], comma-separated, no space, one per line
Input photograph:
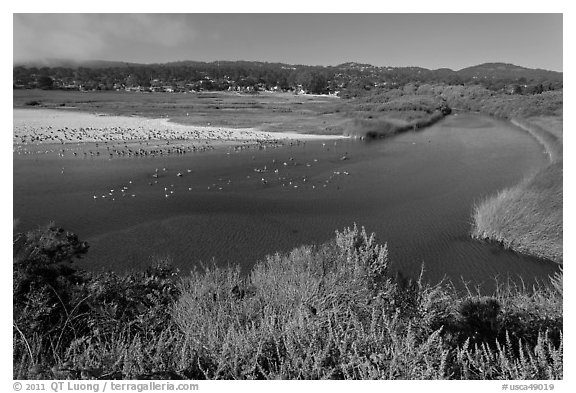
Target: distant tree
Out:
[131,81]
[45,82]
[317,83]
[283,83]
[349,79]
[425,89]
[207,84]
[536,89]
[410,88]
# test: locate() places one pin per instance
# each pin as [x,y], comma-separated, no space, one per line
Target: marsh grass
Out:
[527,217]
[331,311]
[392,112]
[278,112]
[548,131]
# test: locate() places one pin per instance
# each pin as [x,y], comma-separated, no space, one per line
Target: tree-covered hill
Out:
[348,79]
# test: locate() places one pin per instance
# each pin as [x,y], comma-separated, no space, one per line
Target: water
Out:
[416,191]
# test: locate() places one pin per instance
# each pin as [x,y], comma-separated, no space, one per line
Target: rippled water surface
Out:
[416,191]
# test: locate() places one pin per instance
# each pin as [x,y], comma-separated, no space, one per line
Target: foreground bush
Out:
[329,311]
[62,316]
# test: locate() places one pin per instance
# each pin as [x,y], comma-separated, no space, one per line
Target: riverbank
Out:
[528,217]
[385,127]
[387,113]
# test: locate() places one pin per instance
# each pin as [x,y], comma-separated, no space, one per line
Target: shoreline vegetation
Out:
[332,311]
[388,113]
[384,127]
[527,217]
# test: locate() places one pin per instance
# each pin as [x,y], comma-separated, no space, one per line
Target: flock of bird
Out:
[119,142]
[170,182]
[24,134]
[290,174]
[114,142]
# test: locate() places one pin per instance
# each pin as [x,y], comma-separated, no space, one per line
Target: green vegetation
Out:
[376,115]
[327,311]
[394,111]
[274,112]
[348,79]
[501,105]
[528,217]
[179,76]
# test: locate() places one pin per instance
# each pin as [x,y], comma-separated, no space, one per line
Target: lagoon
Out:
[416,191]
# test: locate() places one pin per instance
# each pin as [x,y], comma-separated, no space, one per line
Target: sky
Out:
[432,41]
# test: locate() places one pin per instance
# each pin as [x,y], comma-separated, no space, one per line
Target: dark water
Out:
[416,191]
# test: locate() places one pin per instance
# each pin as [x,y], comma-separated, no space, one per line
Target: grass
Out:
[548,131]
[274,112]
[391,112]
[331,311]
[528,217]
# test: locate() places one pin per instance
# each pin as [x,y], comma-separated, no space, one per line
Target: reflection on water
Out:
[416,191]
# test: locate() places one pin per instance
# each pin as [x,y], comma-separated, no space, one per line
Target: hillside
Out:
[347,80]
[509,71]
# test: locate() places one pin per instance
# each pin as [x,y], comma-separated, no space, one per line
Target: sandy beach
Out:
[62,126]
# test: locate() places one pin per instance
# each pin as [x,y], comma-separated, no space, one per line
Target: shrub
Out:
[60,311]
[328,311]
[44,283]
[479,319]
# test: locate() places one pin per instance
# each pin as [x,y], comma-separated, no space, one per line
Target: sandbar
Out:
[65,126]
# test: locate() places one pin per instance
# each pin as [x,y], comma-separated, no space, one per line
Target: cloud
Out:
[159,29]
[96,36]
